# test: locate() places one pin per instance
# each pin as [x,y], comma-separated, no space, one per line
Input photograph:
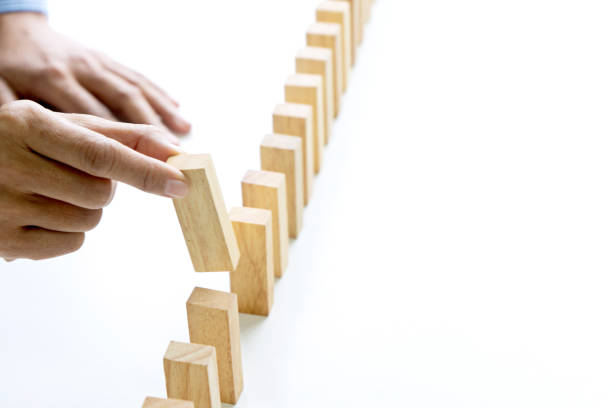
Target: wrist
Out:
[21,18]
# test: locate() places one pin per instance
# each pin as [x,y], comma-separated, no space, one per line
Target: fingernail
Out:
[176,189]
[181,124]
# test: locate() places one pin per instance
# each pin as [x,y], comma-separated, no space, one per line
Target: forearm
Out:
[10,6]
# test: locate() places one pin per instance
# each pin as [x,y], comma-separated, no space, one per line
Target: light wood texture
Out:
[328,35]
[266,189]
[283,154]
[318,61]
[296,120]
[357,26]
[203,216]
[151,402]
[253,279]
[212,316]
[191,374]
[308,89]
[339,13]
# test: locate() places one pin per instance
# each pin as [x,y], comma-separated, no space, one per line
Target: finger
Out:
[37,243]
[6,93]
[55,215]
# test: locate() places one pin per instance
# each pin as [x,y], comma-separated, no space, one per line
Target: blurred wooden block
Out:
[253,279]
[339,13]
[266,189]
[357,26]
[151,402]
[191,374]
[318,61]
[308,89]
[328,35]
[283,154]
[296,120]
[213,319]
[203,216]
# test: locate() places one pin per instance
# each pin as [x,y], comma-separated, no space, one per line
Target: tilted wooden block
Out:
[213,319]
[318,61]
[356,24]
[266,189]
[328,35]
[308,89]
[203,216]
[283,154]
[339,13]
[296,120]
[253,279]
[151,402]
[191,374]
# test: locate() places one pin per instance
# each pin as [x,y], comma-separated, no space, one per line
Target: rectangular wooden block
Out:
[151,402]
[253,279]
[328,35]
[266,189]
[296,120]
[339,13]
[203,216]
[318,61]
[356,24]
[191,374]
[283,154]
[308,89]
[212,317]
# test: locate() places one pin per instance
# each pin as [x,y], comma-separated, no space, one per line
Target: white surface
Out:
[457,249]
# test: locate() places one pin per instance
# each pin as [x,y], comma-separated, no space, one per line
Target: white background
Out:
[456,252]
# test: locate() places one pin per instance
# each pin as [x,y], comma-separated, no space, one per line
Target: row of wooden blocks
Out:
[252,241]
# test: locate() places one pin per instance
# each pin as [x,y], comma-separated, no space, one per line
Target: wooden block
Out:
[283,154]
[151,402]
[253,279]
[203,216]
[328,35]
[308,89]
[191,374]
[357,26]
[296,120]
[266,189]
[339,13]
[213,319]
[318,61]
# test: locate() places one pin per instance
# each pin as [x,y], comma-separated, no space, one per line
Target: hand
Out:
[39,64]
[56,171]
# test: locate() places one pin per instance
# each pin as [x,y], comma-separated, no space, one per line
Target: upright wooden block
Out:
[339,13]
[203,216]
[151,402]
[308,89]
[283,154]
[296,120]
[328,35]
[191,374]
[213,319]
[357,26]
[253,279]
[318,61]
[266,189]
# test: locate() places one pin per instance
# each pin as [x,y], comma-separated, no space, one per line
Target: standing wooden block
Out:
[151,402]
[308,89]
[296,120]
[283,154]
[191,374]
[339,13]
[253,279]
[203,216]
[213,319]
[355,7]
[318,61]
[328,35]
[266,189]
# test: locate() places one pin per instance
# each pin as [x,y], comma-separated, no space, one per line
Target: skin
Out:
[57,172]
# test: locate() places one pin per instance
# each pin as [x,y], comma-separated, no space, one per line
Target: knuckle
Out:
[90,219]
[84,62]
[99,193]
[54,72]
[19,110]
[130,93]
[99,156]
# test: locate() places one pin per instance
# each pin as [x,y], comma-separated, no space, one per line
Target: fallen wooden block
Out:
[283,154]
[328,35]
[203,216]
[339,13]
[308,89]
[191,374]
[318,61]
[212,317]
[151,402]
[296,120]
[266,189]
[253,279]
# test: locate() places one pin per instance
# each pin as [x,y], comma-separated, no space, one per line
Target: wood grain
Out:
[339,13]
[151,402]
